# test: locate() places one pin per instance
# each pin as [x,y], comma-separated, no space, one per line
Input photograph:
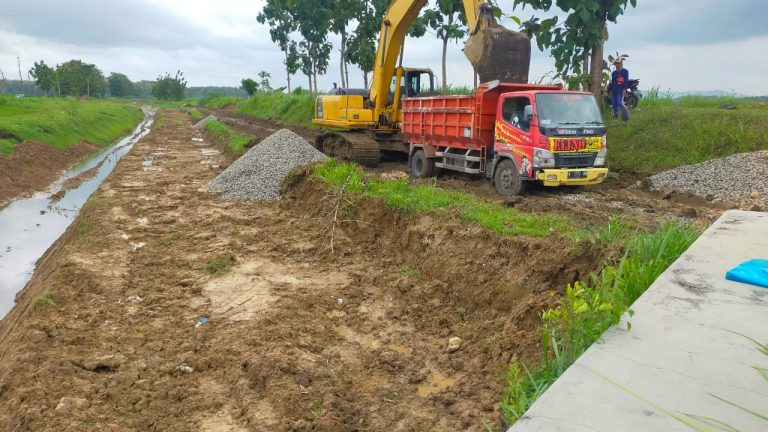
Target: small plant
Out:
[44,301]
[218,265]
[411,273]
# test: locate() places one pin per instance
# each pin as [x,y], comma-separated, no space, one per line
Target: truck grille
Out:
[575,160]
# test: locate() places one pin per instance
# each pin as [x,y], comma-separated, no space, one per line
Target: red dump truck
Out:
[512,133]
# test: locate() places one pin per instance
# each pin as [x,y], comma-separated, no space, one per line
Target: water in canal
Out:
[28,227]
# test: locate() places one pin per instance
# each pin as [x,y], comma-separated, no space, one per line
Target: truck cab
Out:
[556,137]
[514,134]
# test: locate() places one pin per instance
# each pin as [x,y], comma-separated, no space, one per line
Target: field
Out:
[62,123]
[665,133]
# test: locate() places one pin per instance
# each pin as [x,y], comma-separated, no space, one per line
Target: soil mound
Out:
[33,166]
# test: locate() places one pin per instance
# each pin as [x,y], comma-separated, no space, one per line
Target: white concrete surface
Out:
[680,350]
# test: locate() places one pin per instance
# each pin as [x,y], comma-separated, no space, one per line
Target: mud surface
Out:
[34,166]
[165,307]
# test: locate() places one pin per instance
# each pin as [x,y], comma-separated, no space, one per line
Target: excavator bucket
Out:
[498,53]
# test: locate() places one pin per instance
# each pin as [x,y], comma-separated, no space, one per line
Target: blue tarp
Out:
[753,272]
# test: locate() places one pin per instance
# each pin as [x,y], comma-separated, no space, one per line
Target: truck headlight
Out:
[600,159]
[543,158]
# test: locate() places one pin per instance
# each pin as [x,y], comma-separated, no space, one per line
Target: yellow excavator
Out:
[367,121]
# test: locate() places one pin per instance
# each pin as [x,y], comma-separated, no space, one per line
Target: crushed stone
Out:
[259,173]
[739,178]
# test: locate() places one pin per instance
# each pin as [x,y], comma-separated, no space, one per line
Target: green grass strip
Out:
[62,123]
[221,132]
[426,198]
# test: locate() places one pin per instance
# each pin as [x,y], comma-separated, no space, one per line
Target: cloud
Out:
[682,45]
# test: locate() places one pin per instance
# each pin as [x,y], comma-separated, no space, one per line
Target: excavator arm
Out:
[495,52]
[398,19]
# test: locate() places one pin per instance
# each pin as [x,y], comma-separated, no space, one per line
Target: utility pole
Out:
[21,80]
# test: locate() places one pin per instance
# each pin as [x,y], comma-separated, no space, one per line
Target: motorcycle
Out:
[631,98]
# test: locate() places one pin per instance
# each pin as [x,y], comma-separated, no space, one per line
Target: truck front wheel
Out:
[507,179]
[421,166]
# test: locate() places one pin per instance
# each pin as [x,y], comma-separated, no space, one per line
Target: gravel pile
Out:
[259,173]
[739,178]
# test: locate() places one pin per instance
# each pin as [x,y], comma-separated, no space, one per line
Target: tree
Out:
[75,78]
[4,82]
[170,88]
[250,86]
[361,50]
[281,24]
[119,85]
[577,45]
[342,13]
[44,75]
[314,50]
[448,20]
[264,83]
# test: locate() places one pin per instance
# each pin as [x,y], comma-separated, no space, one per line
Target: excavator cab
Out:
[418,82]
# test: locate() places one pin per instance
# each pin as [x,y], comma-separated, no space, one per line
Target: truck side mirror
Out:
[528,113]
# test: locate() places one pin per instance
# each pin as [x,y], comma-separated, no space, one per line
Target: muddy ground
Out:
[165,307]
[298,337]
[34,166]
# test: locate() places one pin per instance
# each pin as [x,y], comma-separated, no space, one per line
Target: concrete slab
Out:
[681,351]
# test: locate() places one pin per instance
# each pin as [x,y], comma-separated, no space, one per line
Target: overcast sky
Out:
[679,45]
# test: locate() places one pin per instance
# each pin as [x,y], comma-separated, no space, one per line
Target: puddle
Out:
[29,226]
[210,152]
[436,382]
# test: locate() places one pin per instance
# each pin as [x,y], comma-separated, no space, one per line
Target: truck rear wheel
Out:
[507,179]
[420,165]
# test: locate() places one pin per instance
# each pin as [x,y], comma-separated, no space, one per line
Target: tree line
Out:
[76,78]
[301,30]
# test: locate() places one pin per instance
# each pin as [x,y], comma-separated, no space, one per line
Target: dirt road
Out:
[167,308]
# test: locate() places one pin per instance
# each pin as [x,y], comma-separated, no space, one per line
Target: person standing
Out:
[619,84]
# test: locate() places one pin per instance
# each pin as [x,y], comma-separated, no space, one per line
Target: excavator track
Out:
[358,147]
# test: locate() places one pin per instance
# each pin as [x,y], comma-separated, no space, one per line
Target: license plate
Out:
[571,145]
[577,174]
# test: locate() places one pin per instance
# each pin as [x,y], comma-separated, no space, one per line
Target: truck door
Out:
[513,133]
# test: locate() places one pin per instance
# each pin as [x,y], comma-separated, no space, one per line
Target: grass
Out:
[295,109]
[218,265]
[587,311]
[426,198]
[223,133]
[62,123]
[194,113]
[665,133]
[44,301]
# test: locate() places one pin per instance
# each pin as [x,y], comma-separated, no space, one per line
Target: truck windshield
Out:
[563,109]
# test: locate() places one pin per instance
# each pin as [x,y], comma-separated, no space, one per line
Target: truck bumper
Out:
[572,177]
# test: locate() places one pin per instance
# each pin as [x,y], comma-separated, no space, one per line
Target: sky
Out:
[679,46]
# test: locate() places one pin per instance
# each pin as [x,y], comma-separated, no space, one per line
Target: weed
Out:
[218,265]
[411,273]
[317,411]
[44,301]
[160,123]
[581,317]
[173,238]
